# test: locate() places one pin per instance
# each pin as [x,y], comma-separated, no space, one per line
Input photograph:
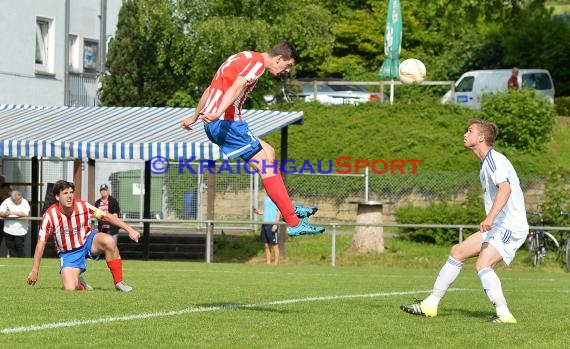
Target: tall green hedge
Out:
[469,212]
[525,120]
[562,106]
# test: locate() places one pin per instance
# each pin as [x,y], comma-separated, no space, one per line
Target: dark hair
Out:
[286,50]
[61,185]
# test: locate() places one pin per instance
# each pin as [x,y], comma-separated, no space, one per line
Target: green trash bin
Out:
[128,188]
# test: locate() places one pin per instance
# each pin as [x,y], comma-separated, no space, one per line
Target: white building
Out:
[54,50]
[52,53]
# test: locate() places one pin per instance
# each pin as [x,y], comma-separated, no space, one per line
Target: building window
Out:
[44,45]
[74,56]
[90,56]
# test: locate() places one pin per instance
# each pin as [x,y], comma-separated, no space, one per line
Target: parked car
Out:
[334,91]
[471,86]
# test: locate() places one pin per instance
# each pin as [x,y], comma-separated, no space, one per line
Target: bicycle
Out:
[542,245]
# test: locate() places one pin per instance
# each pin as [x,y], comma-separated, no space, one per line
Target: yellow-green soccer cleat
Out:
[503,319]
[420,309]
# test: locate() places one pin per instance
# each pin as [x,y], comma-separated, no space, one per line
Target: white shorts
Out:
[505,241]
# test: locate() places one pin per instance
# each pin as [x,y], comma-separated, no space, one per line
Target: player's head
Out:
[61,185]
[283,56]
[104,190]
[64,193]
[485,129]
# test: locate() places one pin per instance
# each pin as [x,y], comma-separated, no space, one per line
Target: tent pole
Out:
[392,91]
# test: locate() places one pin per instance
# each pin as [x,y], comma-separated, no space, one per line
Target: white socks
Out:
[493,289]
[489,279]
[447,275]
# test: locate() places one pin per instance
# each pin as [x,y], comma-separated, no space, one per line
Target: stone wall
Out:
[236,205]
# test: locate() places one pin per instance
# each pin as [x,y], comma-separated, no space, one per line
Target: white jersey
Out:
[496,169]
[14,225]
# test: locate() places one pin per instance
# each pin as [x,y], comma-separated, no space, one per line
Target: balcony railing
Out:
[82,91]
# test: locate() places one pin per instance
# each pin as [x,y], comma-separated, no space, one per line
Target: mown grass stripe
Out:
[76,323]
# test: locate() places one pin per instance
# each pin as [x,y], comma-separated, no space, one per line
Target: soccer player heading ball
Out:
[220,110]
[68,221]
[500,234]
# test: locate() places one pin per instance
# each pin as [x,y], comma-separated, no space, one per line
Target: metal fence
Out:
[181,193]
[211,227]
[82,91]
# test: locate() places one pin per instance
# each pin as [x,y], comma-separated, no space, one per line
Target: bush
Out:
[555,204]
[470,212]
[525,121]
[562,105]
[181,99]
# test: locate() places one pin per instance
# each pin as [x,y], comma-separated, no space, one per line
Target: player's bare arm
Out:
[500,201]
[187,123]
[229,97]
[39,252]
[133,234]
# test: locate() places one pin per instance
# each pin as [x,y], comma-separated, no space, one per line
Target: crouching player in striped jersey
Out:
[68,221]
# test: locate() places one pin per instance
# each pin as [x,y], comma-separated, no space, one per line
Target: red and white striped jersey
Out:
[248,64]
[70,232]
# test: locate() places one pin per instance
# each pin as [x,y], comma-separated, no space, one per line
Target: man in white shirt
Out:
[500,234]
[15,229]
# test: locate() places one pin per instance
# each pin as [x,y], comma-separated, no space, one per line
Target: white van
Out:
[471,86]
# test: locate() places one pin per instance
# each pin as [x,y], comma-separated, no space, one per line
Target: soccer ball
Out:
[412,71]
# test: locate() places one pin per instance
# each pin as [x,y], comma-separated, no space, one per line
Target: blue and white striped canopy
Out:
[126,133]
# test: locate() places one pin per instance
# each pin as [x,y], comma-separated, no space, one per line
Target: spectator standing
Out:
[269,229]
[107,203]
[15,229]
[513,82]
[4,194]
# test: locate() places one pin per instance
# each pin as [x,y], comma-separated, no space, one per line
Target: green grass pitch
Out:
[221,305]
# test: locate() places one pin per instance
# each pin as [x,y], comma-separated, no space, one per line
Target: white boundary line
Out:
[76,323]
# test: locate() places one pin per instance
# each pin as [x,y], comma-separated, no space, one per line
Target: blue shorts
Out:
[268,236]
[76,258]
[234,138]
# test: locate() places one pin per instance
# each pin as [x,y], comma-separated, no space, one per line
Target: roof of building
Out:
[127,133]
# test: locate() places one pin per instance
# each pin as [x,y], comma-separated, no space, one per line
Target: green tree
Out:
[525,121]
[536,42]
[142,68]
[358,47]
[448,36]
[166,51]
[555,203]
[256,25]
[452,37]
